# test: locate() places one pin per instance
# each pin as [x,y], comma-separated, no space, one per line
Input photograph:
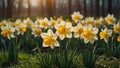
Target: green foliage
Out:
[65,58]
[45,60]
[105,62]
[112,49]
[65,55]
[89,56]
[10,51]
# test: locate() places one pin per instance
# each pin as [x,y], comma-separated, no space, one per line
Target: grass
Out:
[29,60]
[26,60]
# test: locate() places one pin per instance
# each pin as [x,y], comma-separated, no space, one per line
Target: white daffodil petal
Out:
[69,35]
[44,45]
[57,44]
[61,37]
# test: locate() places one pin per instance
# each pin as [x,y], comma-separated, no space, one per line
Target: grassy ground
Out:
[26,60]
[29,60]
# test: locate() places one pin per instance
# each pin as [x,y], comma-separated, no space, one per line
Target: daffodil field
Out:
[76,42]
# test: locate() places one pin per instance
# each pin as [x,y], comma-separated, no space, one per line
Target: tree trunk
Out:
[53,7]
[29,6]
[9,8]
[109,6]
[97,8]
[92,8]
[78,5]
[103,14]
[19,8]
[3,8]
[85,8]
[118,8]
[49,8]
[70,6]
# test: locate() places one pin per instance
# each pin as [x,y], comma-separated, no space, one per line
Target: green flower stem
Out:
[13,51]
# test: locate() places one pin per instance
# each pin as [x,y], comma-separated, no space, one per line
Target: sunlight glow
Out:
[34,3]
[25,4]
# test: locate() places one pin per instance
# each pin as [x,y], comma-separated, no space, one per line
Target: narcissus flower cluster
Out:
[88,29]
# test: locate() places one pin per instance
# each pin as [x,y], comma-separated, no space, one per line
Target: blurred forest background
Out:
[33,8]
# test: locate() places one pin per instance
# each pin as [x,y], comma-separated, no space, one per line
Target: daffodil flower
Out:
[28,22]
[101,20]
[50,39]
[37,32]
[34,26]
[105,34]
[76,16]
[78,30]
[110,19]
[64,30]
[21,29]
[52,23]
[89,20]
[44,23]
[116,28]
[8,31]
[17,23]
[89,34]
[118,38]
